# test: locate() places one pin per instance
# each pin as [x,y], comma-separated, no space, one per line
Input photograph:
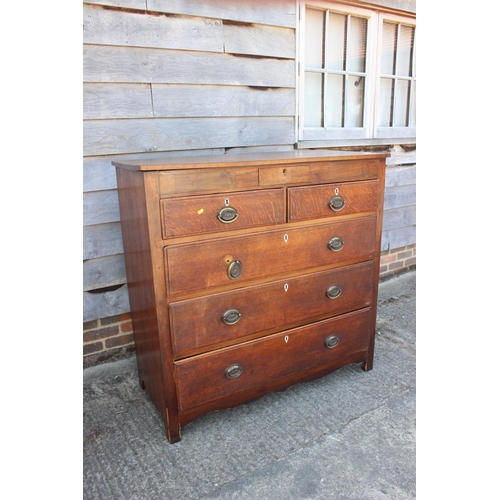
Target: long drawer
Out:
[330,200]
[221,212]
[253,364]
[210,263]
[227,316]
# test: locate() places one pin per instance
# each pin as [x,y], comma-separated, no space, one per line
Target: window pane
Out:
[401,103]
[335,95]
[405,47]
[336,42]
[313,107]
[413,107]
[314,37]
[388,48]
[385,100]
[357,45]
[354,105]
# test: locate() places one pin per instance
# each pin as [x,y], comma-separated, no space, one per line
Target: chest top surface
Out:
[247,159]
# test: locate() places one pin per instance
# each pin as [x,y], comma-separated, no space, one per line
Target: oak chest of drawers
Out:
[249,273]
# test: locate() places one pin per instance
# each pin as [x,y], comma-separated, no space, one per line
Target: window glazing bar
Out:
[326,23]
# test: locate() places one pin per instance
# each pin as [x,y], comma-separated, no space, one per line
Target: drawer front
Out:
[198,266]
[254,364]
[221,212]
[227,316]
[332,200]
[319,172]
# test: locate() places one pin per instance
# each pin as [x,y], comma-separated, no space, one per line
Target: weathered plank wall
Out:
[177,77]
[399,225]
[172,77]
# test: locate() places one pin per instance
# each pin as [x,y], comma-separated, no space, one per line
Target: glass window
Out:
[335,69]
[397,76]
[357,74]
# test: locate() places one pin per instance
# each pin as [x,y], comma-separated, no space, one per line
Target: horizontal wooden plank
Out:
[403,5]
[105,137]
[276,12]
[105,304]
[401,157]
[130,4]
[104,272]
[400,176]
[103,63]
[400,196]
[259,39]
[399,218]
[116,100]
[100,207]
[260,149]
[116,27]
[398,238]
[223,100]
[100,175]
[102,240]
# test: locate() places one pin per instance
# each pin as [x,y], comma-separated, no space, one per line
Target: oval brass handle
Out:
[337,203]
[331,341]
[234,269]
[234,371]
[333,291]
[231,316]
[336,244]
[227,214]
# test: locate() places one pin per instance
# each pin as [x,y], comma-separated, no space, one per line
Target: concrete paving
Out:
[347,436]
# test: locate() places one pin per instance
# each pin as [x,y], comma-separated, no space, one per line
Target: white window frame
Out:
[370,131]
[393,132]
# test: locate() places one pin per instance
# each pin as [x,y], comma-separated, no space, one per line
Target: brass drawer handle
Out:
[227,215]
[331,341]
[336,244]
[333,291]
[234,371]
[231,316]
[234,269]
[337,203]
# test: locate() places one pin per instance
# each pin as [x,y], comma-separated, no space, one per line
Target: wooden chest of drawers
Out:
[249,273]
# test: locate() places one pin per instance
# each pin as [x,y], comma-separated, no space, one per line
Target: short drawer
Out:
[221,212]
[256,363]
[198,323]
[222,261]
[311,202]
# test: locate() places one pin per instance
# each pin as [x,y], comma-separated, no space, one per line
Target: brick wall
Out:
[107,338]
[112,338]
[397,260]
